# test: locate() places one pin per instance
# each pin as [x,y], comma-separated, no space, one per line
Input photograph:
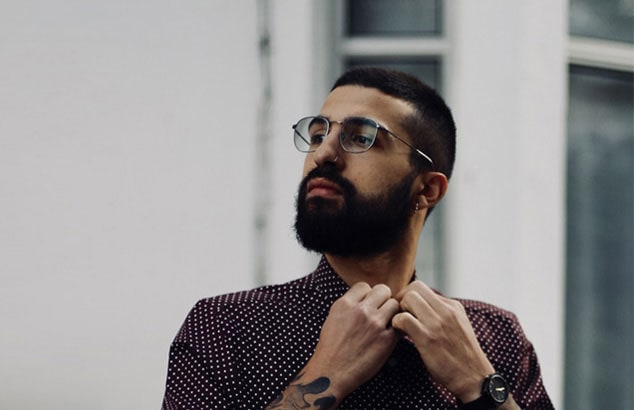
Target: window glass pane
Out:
[426,69]
[600,241]
[603,19]
[393,17]
[429,258]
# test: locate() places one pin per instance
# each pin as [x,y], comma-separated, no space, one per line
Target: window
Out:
[599,348]
[393,18]
[406,35]
[600,229]
[602,19]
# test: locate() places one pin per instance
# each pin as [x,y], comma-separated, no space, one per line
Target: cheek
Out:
[378,178]
[369,181]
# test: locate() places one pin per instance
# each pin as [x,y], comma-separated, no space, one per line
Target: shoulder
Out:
[499,333]
[488,313]
[511,353]
[257,297]
[228,312]
[490,321]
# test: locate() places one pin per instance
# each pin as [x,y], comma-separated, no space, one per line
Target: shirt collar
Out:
[327,283]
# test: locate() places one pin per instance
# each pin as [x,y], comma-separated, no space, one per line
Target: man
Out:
[360,332]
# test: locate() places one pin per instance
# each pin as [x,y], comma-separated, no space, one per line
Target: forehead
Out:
[357,101]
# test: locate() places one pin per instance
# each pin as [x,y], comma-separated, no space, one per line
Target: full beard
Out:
[360,226]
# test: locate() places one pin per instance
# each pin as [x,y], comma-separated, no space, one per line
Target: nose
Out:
[330,149]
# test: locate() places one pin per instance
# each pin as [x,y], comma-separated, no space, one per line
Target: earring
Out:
[416,208]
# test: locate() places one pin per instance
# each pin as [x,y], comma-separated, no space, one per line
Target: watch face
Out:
[498,389]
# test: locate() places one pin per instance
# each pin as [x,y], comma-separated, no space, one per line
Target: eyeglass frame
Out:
[370,121]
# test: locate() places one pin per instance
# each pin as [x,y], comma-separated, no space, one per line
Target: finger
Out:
[390,308]
[403,291]
[435,300]
[357,291]
[417,286]
[408,324]
[377,296]
[446,309]
[417,305]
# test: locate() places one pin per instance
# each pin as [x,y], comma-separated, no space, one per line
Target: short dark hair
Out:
[431,127]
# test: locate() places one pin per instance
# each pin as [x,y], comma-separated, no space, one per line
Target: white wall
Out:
[293,71]
[507,76]
[127,177]
[126,189]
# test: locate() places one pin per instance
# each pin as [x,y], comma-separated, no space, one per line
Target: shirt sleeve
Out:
[530,393]
[189,385]
[513,356]
[200,364]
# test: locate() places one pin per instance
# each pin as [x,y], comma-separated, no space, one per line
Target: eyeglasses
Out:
[357,134]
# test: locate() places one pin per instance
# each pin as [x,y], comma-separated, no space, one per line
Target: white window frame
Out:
[430,256]
[600,54]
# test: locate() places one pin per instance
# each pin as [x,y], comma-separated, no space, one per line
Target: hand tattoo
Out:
[294,397]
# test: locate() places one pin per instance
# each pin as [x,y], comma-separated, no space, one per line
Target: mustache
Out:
[331,173]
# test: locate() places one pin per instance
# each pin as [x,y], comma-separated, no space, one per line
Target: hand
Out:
[355,341]
[357,338]
[444,338]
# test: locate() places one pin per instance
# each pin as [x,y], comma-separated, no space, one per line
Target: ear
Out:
[431,189]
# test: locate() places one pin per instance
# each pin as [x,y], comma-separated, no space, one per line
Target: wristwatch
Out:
[495,391]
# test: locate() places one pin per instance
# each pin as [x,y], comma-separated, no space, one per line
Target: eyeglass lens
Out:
[356,135]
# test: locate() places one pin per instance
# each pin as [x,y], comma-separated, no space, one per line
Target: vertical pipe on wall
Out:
[263,143]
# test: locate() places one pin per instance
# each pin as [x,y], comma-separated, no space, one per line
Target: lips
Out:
[322,187]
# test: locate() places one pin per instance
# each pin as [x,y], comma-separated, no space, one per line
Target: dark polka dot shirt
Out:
[241,350]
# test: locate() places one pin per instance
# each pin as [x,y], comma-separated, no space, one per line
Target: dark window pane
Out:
[394,17]
[426,69]
[429,258]
[600,241]
[603,19]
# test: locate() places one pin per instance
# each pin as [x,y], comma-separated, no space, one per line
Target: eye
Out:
[362,140]
[317,138]
[317,131]
[358,134]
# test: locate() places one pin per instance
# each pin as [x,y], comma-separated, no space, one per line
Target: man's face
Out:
[360,204]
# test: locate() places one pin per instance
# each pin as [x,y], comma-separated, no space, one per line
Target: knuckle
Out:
[408,300]
[455,308]
[403,319]
[447,314]
[399,320]
[360,311]
[392,304]
[382,288]
[376,323]
[362,285]
[433,336]
[342,303]
[417,285]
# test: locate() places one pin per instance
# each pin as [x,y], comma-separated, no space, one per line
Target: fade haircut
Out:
[431,127]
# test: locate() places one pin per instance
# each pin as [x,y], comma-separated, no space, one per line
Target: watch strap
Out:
[481,403]
[494,393]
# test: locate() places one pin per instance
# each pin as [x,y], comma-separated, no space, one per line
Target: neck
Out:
[393,268]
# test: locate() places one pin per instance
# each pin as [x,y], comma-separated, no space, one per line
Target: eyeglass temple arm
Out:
[412,147]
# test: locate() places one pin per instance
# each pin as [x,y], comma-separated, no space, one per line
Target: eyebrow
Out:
[351,117]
